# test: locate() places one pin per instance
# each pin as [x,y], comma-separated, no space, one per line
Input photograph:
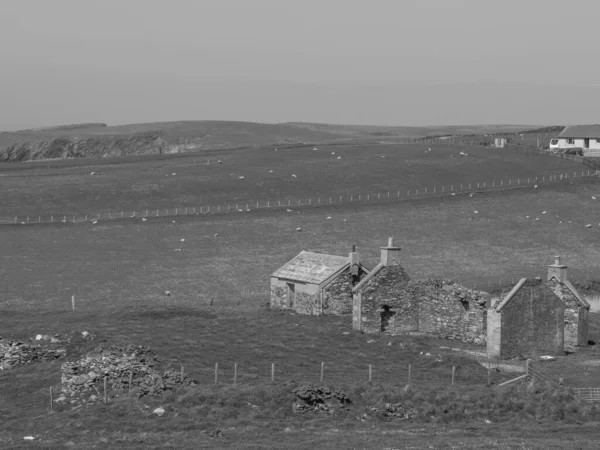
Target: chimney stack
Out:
[389,253]
[557,270]
[354,257]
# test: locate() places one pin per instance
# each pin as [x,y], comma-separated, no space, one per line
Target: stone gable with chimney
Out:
[528,320]
[576,307]
[388,301]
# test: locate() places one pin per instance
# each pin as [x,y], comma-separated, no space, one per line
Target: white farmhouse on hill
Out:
[586,137]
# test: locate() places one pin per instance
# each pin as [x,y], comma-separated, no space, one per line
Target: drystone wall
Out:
[439,307]
[337,296]
[574,333]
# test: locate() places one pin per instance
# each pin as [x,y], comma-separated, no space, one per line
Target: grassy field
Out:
[119,272]
[160,182]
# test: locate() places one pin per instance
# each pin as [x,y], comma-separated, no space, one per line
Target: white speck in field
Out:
[315,149]
[270,171]
[527,217]
[289,210]
[476,212]
[144,219]
[174,174]
[216,234]
[560,221]
[543,212]
[298,229]
[537,218]
[339,157]
[344,220]
[95,222]
[168,293]
[383,156]
[372,340]
[182,240]
[570,221]
[173,221]
[589,225]
[220,162]
[241,177]
[240,210]
[333,153]
[275,150]
[454,193]
[536,186]
[328,217]
[92,173]
[294,175]
[593,198]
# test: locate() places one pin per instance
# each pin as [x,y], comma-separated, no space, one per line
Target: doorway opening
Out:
[291,294]
[387,318]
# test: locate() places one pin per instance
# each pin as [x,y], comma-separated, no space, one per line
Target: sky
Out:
[376,62]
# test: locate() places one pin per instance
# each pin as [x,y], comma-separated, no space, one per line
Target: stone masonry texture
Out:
[576,316]
[439,307]
[532,322]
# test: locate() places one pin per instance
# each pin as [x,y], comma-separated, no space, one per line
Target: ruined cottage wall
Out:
[494,334]
[337,296]
[532,323]
[388,287]
[575,320]
[451,311]
[306,299]
[278,294]
[583,328]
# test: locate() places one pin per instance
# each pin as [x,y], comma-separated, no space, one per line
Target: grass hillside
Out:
[100,140]
[170,181]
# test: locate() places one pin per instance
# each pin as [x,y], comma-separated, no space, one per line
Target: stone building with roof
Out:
[576,307]
[527,320]
[317,283]
[387,301]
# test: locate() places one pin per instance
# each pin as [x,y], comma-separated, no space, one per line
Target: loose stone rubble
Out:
[17,353]
[82,381]
[319,399]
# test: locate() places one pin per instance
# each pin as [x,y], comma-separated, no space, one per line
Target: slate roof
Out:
[581,131]
[311,267]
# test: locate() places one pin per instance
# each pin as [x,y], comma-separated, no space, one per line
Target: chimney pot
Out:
[353,248]
[390,242]
[557,260]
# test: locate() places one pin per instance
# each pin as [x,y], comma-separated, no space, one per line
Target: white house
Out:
[586,137]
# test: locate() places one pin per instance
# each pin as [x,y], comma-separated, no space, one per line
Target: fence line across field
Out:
[382,197]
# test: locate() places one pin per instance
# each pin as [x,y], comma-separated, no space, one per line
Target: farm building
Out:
[576,307]
[528,320]
[586,137]
[387,301]
[316,283]
[500,142]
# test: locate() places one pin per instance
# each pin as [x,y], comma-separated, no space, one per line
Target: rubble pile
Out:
[396,411]
[82,381]
[17,353]
[319,399]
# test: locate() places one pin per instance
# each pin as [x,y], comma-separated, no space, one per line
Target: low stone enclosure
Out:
[535,316]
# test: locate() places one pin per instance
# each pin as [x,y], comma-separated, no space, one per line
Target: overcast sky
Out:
[124,61]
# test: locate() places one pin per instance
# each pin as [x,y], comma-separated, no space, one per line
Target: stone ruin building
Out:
[532,317]
[545,317]
[527,320]
[387,301]
[316,283]
[576,306]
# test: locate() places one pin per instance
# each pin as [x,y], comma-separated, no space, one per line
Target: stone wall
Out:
[306,297]
[532,322]
[575,334]
[337,296]
[439,307]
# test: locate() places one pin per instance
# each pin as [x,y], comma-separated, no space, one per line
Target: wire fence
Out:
[319,201]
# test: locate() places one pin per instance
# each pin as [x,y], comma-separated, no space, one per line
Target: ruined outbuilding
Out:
[317,283]
[576,307]
[388,301]
[528,320]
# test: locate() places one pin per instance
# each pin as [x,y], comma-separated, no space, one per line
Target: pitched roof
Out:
[581,131]
[369,276]
[311,267]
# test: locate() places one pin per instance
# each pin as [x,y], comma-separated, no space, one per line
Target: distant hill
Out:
[101,140]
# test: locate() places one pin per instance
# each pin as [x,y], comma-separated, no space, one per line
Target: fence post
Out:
[409,373]
[130,379]
[73,302]
[453,370]
[50,399]
[272,372]
[216,373]
[105,378]
[322,370]
[235,374]
[370,373]
[182,373]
